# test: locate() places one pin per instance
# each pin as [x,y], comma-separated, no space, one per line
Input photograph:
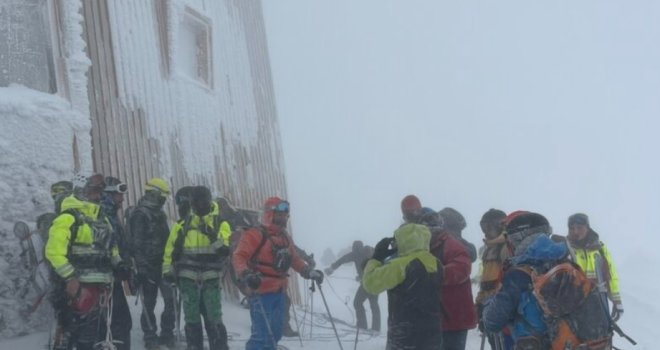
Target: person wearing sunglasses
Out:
[262,260]
[148,230]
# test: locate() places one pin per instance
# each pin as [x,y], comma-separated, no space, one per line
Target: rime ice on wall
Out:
[202,95]
[38,131]
[37,134]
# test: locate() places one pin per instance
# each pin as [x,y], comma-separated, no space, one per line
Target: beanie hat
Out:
[157,184]
[454,221]
[431,219]
[183,195]
[493,215]
[410,207]
[579,219]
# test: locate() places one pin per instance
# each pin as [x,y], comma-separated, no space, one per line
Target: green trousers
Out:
[201,298]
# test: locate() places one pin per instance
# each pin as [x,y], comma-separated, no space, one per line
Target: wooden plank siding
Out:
[146,116]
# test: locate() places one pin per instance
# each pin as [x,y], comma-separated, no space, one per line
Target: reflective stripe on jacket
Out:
[93,253]
[199,258]
[586,259]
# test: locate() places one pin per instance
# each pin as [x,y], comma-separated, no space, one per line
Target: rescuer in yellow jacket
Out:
[586,246]
[83,253]
[195,256]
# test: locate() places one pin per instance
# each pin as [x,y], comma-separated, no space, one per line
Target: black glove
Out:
[316,276]
[382,250]
[169,278]
[123,271]
[223,251]
[251,279]
[617,311]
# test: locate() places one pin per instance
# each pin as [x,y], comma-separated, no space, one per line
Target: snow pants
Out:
[358,303]
[201,299]
[150,289]
[454,340]
[267,316]
[406,336]
[121,318]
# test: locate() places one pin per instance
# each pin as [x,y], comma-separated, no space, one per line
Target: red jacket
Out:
[271,280]
[460,313]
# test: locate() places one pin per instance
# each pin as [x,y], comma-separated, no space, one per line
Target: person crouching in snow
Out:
[262,259]
[412,280]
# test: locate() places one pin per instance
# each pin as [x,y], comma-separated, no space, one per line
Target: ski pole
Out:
[263,312]
[176,299]
[483,341]
[602,289]
[357,332]
[295,318]
[311,314]
[329,315]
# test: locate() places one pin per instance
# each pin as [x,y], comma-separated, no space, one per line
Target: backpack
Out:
[128,214]
[185,227]
[572,308]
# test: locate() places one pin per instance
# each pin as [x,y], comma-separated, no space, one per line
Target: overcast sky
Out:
[546,106]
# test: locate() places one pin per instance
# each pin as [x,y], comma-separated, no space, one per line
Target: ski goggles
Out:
[120,188]
[281,207]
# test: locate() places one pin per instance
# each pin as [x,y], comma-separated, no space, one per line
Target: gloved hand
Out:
[382,250]
[251,279]
[480,312]
[72,287]
[617,311]
[169,278]
[329,270]
[316,276]
[223,251]
[123,271]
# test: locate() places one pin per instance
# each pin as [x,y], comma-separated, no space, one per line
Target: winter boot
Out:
[287,331]
[151,343]
[217,337]
[167,340]
[194,336]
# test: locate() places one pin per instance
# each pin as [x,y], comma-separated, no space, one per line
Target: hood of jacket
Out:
[411,238]
[88,209]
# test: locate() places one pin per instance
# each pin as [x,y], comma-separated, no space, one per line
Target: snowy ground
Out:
[639,321]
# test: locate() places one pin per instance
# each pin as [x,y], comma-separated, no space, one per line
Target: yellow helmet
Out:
[157,184]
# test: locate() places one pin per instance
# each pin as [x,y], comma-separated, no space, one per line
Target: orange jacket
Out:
[243,260]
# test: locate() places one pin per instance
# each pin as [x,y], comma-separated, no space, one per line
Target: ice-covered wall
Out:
[37,131]
[223,133]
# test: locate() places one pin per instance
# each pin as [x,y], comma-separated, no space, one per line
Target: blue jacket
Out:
[514,304]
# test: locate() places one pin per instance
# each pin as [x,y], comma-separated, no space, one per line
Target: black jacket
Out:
[149,232]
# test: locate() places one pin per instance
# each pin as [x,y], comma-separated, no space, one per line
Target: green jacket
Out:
[413,281]
[412,243]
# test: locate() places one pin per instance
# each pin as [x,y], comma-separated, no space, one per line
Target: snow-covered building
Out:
[179,89]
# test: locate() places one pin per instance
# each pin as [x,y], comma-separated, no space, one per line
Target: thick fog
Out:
[545,106]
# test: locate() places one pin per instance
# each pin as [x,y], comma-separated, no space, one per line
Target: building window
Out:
[161,11]
[195,52]
[26,45]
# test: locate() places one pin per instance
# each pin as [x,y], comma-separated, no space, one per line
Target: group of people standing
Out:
[96,260]
[425,268]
